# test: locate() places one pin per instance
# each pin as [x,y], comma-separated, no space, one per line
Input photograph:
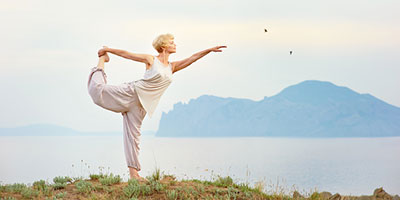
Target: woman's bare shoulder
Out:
[150,61]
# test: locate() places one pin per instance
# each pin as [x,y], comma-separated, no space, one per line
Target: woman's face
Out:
[171,48]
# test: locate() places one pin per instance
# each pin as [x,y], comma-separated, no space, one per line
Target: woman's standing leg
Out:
[132,121]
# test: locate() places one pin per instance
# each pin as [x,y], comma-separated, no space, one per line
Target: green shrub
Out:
[60,179]
[248,191]
[96,176]
[134,189]
[61,195]
[58,186]
[232,192]
[8,198]
[315,196]
[172,194]
[39,185]
[84,187]
[99,187]
[200,188]
[156,176]
[42,186]
[15,188]
[157,186]
[29,193]
[223,181]
[61,182]
[110,179]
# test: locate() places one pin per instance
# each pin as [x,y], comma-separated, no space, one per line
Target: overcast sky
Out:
[49,46]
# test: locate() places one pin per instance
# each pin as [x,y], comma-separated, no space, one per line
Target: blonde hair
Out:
[162,41]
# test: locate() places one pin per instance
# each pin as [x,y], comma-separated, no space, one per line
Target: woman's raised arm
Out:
[144,58]
[178,65]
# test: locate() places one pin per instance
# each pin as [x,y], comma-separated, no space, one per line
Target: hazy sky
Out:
[49,46]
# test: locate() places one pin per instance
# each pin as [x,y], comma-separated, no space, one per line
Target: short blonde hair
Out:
[162,41]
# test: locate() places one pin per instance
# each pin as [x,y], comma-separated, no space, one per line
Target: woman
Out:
[136,99]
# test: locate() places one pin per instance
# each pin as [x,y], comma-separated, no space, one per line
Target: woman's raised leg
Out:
[111,97]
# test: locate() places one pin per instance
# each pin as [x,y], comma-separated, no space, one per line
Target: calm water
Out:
[348,166]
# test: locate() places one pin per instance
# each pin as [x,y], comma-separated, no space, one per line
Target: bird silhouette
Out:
[291,52]
[265,30]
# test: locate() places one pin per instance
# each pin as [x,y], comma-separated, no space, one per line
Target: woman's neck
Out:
[163,57]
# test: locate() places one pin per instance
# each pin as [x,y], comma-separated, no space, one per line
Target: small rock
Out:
[335,197]
[325,195]
[380,194]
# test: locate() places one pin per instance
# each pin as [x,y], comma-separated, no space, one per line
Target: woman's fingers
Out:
[217,48]
[101,52]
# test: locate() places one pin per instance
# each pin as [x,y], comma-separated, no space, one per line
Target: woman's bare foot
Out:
[139,179]
[134,174]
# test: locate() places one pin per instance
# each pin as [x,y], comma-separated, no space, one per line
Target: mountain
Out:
[54,130]
[308,109]
[38,129]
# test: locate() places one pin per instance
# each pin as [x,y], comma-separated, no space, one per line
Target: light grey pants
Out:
[121,99]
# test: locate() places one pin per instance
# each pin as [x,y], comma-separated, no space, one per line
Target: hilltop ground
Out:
[158,186]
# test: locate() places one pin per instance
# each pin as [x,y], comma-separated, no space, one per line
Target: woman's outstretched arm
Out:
[144,58]
[178,65]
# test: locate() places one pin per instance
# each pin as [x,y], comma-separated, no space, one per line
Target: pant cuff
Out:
[137,169]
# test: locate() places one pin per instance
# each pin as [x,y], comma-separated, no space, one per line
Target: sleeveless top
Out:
[150,89]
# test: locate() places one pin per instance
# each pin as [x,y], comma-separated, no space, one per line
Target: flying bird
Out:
[291,52]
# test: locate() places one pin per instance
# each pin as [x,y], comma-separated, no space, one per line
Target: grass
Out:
[157,186]
[110,179]
[84,187]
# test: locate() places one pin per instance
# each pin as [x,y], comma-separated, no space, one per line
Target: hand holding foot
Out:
[103,57]
[102,51]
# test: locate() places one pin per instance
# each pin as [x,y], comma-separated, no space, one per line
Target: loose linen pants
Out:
[121,99]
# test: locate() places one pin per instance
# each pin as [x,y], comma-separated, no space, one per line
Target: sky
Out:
[49,46]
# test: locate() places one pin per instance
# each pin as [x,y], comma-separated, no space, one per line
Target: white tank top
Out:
[150,89]
[158,68]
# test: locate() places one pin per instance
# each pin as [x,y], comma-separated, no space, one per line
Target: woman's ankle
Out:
[104,58]
[100,67]
[133,171]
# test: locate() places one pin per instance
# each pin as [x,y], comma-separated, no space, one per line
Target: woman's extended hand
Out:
[217,48]
[102,51]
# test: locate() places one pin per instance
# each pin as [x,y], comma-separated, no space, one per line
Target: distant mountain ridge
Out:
[55,130]
[309,109]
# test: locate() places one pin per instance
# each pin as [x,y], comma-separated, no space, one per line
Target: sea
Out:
[348,166]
